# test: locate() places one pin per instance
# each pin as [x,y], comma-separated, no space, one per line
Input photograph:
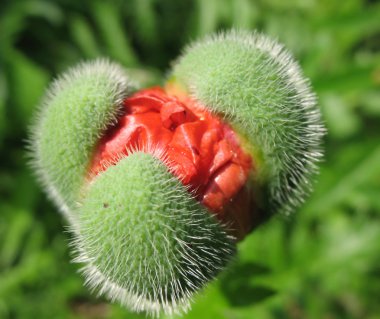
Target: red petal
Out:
[172,114]
[202,151]
[224,186]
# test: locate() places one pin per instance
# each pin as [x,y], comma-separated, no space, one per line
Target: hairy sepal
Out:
[256,85]
[76,109]
[144,240]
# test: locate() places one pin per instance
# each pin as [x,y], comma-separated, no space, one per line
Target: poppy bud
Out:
[159,184]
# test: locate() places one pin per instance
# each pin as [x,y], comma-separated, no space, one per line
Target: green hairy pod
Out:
[255,84]
[147,236]
[75,111]
[160,244]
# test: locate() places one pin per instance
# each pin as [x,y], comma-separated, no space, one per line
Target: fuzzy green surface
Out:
[258,88]
[145,241]
[76,110]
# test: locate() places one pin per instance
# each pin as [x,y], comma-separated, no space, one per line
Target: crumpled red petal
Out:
[202,151]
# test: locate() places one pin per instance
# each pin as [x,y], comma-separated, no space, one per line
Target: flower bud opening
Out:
[198,148]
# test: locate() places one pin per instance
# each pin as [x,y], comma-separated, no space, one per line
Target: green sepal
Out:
[144,240]
[258,88]
[77,108]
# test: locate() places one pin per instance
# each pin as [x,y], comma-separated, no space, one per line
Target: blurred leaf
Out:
[210,302]
[13,18]
[238,287]
[145,22]
[244,14]
[352,25]
[14,237]
[3,97]
[27,83]
[366,170]
[208,14]
[371,103]
[108,20]
[84,36]
[334,107]
[357,78]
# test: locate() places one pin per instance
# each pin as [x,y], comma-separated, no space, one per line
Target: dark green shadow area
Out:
[238,288]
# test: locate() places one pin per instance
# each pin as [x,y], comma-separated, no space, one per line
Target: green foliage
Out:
[321,263]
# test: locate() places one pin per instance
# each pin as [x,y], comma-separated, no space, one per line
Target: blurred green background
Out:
[323,262]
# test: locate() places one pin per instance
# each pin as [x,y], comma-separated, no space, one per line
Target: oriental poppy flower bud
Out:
[159,184]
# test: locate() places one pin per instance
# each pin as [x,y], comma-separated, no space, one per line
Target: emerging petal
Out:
[198,148]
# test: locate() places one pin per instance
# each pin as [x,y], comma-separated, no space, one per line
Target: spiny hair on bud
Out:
[256,85]
[76,110]
[155,150]
[144,241]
